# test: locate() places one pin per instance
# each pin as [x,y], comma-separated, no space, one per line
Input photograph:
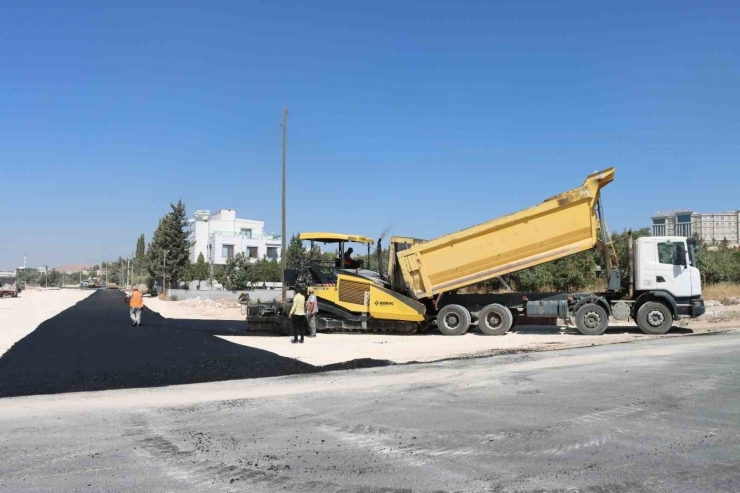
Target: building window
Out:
[658,230]
[683,230]
[246,232]
[227,251]
[272,253]
[252,252]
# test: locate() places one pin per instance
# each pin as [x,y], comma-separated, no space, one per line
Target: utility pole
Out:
[282,251]
[105,265]
[164,272]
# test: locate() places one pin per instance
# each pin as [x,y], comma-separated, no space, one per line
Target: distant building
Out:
[222,235]
[712,227]
[43,269]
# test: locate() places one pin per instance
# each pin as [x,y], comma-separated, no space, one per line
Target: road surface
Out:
[92,346]
[652,416]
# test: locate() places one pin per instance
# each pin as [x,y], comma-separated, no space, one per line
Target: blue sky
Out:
[425,117]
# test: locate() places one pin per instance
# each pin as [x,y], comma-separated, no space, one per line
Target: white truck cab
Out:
[667,263]
[667,282]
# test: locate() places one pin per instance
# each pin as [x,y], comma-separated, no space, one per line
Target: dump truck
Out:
[424,283]
[9,285]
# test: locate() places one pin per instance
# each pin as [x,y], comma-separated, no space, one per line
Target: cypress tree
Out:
[171,235]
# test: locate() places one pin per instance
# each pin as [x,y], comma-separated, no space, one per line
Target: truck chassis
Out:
[653,311]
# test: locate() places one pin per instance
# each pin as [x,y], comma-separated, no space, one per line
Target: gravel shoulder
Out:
[20,316]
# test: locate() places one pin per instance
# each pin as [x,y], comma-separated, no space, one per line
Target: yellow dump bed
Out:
[558,227]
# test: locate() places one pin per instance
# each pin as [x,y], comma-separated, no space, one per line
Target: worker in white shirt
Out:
[312,311]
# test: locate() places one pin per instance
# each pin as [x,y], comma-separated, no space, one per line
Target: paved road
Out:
[652,416]
[92,346]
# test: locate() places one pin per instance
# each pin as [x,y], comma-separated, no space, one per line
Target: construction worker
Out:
[298,315]
[312,310]
[136,304]
[349,263]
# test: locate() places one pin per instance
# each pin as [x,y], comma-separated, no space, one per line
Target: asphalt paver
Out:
[93,346]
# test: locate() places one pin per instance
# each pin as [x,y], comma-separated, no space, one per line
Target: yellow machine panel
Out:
[359,295]
[558,227]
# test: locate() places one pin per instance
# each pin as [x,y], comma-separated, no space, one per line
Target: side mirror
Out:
[681,256]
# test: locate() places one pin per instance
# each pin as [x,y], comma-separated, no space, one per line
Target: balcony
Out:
[271,237]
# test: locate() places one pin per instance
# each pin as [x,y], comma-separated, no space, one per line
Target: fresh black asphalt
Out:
[92,346]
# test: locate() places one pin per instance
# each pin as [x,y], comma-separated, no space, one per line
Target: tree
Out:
[720,265]
[55,278]
[274,271]
[150,284]
[296,255]
[239,273]
[199,269]
[217,273]
[172,238]
[140,247]
[114,271]
[621,242]
[373,264]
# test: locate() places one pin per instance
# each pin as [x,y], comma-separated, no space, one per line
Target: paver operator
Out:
[349,262]
[136,304]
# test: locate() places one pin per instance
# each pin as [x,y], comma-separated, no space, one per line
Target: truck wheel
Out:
[592,319]
[654,318]
[453,320]
[495,320]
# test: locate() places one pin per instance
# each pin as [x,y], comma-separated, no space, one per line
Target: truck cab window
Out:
[667,253]
[671,253]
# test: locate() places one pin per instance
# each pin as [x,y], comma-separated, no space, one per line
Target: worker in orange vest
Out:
[136,304]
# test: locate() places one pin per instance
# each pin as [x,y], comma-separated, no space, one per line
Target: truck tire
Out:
[654,318]
[592,319]
[453,320]
[495,320]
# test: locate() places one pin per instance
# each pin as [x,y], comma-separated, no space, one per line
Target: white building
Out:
[712,227]
[222,235]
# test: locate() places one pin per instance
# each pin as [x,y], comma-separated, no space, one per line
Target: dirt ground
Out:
[334,348]
[196,309]
[20,316]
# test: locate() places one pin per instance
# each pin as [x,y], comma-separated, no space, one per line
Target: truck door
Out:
[670,274]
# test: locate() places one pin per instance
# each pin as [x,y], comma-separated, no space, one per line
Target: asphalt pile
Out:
[92,346]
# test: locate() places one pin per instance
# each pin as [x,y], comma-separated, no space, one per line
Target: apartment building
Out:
[222,235]
[712,227]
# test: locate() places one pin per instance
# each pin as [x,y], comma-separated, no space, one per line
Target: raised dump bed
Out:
[558,227]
